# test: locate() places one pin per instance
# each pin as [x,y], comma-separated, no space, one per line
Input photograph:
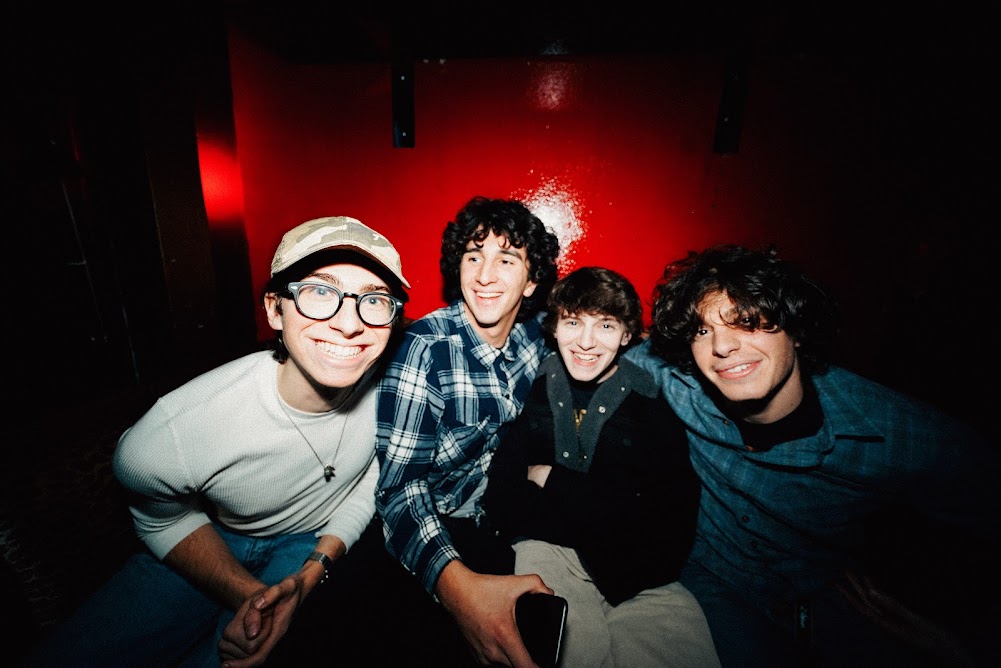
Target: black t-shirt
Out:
[804,421]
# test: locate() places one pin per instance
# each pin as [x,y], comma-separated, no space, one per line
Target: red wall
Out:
[615,153]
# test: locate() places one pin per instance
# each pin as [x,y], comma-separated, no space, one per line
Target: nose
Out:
[488,274]
[587,337]
[726,340]
[346,320]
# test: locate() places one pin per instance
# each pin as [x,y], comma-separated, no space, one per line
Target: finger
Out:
[252,622]
[860,587]
[230,650]
[248,662]
[267,623]
[269,597]
[517,656]
[256,659]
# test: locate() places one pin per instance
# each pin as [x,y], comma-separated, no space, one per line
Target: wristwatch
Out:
[324,560]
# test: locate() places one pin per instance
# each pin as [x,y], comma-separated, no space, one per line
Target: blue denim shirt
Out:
[777,525]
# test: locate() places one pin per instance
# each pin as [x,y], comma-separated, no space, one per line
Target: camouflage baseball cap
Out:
[336,232]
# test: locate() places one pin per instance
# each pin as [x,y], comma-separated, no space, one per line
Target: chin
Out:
[345,377]
[484,319]
[738,397]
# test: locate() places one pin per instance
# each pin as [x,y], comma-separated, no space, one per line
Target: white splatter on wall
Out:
[558,206]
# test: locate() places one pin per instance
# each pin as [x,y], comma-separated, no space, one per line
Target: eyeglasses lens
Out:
[322,302]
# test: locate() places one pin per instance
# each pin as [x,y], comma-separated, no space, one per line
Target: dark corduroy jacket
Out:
[622,491]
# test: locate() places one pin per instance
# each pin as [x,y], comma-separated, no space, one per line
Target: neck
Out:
[302,394]
[496,333]
[763,411]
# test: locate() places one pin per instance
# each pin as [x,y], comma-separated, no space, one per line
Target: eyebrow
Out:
[508,249]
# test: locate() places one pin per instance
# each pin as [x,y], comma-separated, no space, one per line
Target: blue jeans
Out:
[148,615]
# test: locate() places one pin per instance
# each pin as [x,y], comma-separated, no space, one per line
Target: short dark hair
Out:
[278,283]
[596,290]
[505,218]
[769,293]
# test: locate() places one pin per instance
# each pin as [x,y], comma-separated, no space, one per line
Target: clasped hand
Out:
[259,623]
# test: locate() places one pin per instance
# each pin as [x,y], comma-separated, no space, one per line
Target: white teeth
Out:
[739,368]
[585,358]
[338,351]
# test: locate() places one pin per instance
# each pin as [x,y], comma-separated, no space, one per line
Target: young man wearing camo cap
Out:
[250,482]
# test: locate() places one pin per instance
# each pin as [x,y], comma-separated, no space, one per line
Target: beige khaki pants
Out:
[658,627]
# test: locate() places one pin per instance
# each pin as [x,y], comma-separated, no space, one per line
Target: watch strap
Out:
[324,560]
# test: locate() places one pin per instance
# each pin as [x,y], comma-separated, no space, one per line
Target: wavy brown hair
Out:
[596,291]
[505,218]
[769,294]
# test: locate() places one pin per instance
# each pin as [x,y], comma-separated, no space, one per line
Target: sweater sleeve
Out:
[162,494]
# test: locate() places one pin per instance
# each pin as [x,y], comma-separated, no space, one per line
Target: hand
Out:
[539,473]
[899,620]
[483,607]
[259,623]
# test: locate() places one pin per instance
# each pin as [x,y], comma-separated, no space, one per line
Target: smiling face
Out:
[747,366]
[589,344]
[494,279]
[326,355]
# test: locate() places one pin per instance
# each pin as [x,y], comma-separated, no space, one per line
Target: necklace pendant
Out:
[328,472]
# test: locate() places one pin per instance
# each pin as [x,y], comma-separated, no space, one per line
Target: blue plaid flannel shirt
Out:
[444,399]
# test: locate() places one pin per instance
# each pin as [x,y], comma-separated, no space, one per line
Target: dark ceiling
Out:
[475,30]
[312,33]
[79,35]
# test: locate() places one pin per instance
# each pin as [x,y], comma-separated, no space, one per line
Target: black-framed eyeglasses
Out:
[322,301]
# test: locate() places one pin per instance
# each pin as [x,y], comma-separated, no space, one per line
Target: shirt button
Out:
[565,454]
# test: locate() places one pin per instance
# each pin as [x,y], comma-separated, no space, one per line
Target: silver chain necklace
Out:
[328,469]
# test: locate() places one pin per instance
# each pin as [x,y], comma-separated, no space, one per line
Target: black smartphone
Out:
[541,618]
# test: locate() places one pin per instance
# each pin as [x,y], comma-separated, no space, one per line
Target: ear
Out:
[271,308]
[529,289]
[626,338]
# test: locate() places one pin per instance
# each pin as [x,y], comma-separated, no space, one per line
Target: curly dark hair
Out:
[505,218]
[596,290]
[302,269]
[769,293]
